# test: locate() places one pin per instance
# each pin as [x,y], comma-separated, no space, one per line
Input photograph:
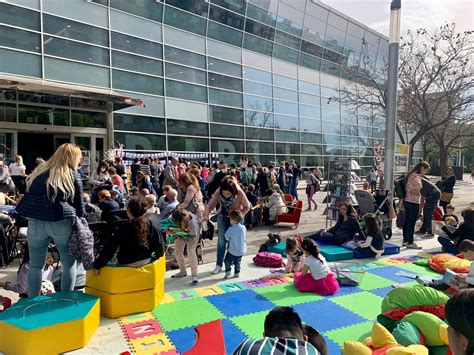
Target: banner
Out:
[401,163]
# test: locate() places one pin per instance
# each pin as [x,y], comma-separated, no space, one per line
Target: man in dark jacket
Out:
[431,195]
[216,180]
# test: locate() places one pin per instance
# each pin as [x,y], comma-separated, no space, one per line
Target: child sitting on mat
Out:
[372,247]
[315,276]
[294,254]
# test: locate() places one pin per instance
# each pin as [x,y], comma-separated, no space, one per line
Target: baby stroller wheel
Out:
[388,234]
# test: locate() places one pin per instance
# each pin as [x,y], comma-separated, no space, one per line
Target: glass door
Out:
[92,147]
[7,145]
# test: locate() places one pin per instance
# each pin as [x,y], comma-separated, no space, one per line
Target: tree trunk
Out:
[443,160]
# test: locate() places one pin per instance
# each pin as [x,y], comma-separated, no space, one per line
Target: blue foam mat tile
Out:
[389,272]
[382,292]
[345,290]
[183,339]
[325,315]
[333,348]
[233,336]
[240,302]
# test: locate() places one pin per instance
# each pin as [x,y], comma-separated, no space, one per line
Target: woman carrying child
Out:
[294,254]
[187,222]
[137,240]
[372,247]
[315,276]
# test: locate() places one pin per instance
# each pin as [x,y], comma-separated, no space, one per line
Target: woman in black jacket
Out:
[52,200]
[137,240]
[464,231]
[446,185]
[344,230]
[262,182]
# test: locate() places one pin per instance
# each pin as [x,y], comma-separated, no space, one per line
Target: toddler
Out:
[294,254]
[237,245]
[372,247]
[151,203]
[450,216]
[315,276]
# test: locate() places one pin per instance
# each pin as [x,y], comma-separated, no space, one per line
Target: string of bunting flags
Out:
[131,155]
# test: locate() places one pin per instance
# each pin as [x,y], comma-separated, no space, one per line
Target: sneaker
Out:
[420,232]
[404,244]
[195,280]
[227,275]
[216,270]
[236,275]
[178,275]
[427,236]
[414,246]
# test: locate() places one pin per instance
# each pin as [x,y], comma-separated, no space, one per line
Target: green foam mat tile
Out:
[186,313]
[184,295]
[286,295]
[251,324]
[357,332]
[419,270]
[364,303]
[373,282]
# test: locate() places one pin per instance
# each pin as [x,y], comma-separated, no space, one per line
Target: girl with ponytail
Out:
[315,276]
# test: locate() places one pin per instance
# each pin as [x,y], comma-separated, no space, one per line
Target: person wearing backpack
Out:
[312,186]
[411,203]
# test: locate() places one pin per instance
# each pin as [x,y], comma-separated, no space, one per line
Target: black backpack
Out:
[400,187]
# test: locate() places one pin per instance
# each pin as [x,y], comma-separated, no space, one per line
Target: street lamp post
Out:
[390,126]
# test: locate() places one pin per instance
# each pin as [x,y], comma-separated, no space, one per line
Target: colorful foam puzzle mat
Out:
[242,306]
[278,248]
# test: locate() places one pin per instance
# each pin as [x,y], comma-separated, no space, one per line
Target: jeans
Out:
[317,237]
[427,225]
[411,215]
[448,246]
[39,235]
[232,260]
[293,185]
[373,185]
[223,223]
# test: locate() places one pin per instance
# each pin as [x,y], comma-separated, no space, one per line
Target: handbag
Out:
[446,197]
[193,206]
[81,243]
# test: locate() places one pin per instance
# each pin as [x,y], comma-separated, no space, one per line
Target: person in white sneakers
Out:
[236,237]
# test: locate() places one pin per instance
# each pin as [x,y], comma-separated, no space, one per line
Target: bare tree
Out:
[435,75]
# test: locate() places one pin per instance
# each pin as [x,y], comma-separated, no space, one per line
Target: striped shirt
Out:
[275,346]
[145,169]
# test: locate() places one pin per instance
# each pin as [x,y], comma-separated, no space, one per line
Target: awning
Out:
[61,89]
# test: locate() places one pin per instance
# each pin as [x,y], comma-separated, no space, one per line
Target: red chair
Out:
[209,339]
[291,217]
[288,199]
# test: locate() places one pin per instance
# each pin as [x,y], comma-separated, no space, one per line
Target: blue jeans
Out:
[223,223]
[293,186]
[232,260]
[411,215]
[39,235]
[448,246]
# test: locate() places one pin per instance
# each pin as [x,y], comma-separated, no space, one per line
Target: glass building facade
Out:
[229,77]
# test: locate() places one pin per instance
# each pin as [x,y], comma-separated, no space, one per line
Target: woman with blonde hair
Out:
[191,199]
[18,174]
[53,198]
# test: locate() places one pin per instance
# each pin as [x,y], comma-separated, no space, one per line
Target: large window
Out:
[72,72]
[74,30]
[74,50]
[224,67]
[137,82]
[285,53]
[259,133]
[224,33]
[88,119]
[257,103]
[219,130]
[183,57]
[135,63]
[227,146]
[226,17]
[188,144]
[259,29]
[179,72]
[224,82]
[251,87]
[141,142]
[19,16]
[286,122]
[234,5]
[138,123]
[257,75]
[261,15]
[259,119]
[186,91]
[260,147]
[226,115]
[145,8]
[285,94]
[136,45]
[14,38]
[199,7]
[287,40]
[187,127]
[20,63]
[225,98]
[258,44]
[285,107]
[185,21]
[285,136]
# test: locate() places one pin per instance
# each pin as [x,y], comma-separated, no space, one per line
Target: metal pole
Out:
[390,129]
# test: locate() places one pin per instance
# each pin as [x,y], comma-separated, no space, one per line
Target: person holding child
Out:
[372,247]
[464,231]
[294,255]
[315,275]
[189,223]
[237,244]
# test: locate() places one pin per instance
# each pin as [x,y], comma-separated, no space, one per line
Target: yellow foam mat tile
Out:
[134,318]
[209,291]
[153,344]
[167,298]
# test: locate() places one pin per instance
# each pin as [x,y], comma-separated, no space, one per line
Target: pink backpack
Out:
[267,259]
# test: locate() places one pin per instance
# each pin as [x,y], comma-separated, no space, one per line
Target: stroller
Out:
[379,205]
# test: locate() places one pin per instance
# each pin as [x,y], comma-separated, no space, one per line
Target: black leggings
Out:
[411,215]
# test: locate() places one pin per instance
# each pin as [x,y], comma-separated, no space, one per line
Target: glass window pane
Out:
[287,40]
[331,139]
[227,146]
[138,123]
[259,29]
[312,48]
[47,99]
[186,91]
[12,37]
[330,115]
[226,98]
[309,87]
[141,142]
[310,137]
[284,81]
[285,53]
[329,92]
[188,144]
[314,35]
[19,16]
[184,57]
[61,70]
[330,68]
[234,5]
[219,130]
[257,75]
[292,149]
[88,119]
[259,133]
[224,82]
[285,107]
[224,34]
[309,61]
[137,82]
[337,21]
[331,127]
[135,63]
[179,72]
[226,17]
[224,51]
[61,117]
[185,40]
[309,99]
[35,115]
[285,136]
[260,147]
[74,30]
[261,15]
[286,122]
[224,67]
[258,103]
[135,26]
[199,7]
[149,9]
[258,44]
[311,149]
[136,45]
[335,57]
[226,115]
[185,21]
[259,119]
[251,87]
[285,94]
[20,63]
[311,161]
[78,51]
[289,26]
[310,111]
[310,125]
[7,112]
[188,127]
